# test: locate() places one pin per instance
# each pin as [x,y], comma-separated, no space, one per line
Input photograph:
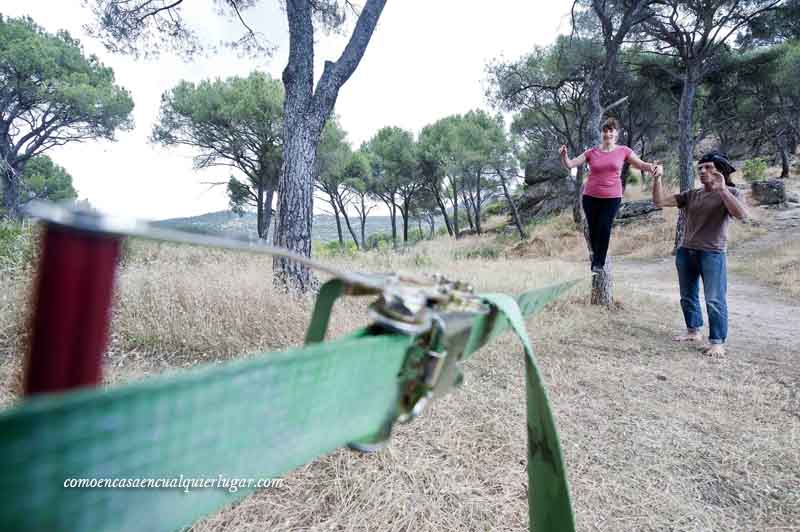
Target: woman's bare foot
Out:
[714,350]
[689,337]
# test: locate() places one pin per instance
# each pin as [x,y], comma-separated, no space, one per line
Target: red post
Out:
[69,325]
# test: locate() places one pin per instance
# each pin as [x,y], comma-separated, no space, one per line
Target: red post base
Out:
[69,325]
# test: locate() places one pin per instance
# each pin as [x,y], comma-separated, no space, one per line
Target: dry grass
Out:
[655,438]
[777,261]
[777,266]
[12,305]
[649,238]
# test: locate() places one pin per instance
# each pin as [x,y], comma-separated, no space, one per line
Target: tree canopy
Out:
[51,94]
[235,123]
[44,179]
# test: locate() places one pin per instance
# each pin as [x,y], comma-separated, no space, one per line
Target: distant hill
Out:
[229,223]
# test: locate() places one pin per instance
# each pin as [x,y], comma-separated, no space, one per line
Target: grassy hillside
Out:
[226,222]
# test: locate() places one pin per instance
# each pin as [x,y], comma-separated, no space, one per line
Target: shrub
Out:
[754,169]
[335,249]
[415,235]
[378,241]
[496,208]
[18,246]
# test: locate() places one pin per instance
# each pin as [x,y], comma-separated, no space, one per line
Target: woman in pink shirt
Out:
[602,194]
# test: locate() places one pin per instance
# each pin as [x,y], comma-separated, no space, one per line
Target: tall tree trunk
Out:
[685,145]
[296,205]
[602,282]
[404,213]
[393,214]
[513,206]
[347,221]
[305,113]
[260,210]
[577,205]
[363,218]
[338,221]
[624,175]
[11,193]
[686,131]
[468,210]
[783,152]
[268,195]
[443,209]
[432,224]
[477,204]
[454,187]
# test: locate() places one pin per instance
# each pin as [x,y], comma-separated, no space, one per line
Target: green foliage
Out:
[335,249]
[437,146]
[334,155]
[357,170]
[780,24]
[146,28]
[43,179]
[415,235]
[18,246]
[393,159]
[53,77]
[755,95]
[378,241]
[236,122]
[754,169]
[496,208]
[52,94]
[333,165]
[196,228]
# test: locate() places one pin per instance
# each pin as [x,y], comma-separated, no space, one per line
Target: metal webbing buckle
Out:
[440,315]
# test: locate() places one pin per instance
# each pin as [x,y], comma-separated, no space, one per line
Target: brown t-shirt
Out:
[707,219]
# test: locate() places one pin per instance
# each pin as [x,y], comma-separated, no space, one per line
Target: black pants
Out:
[600,213]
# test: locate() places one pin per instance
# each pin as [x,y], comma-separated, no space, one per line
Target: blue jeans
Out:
[693,265]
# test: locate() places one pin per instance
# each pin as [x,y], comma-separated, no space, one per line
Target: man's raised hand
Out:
[718,181]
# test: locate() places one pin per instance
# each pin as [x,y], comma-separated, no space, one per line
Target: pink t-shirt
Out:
[605,169]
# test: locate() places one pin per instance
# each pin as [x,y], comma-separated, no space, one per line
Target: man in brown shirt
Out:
[701,254]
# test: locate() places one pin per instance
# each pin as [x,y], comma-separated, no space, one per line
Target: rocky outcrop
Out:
[770,192]
[634,211]
[545,194]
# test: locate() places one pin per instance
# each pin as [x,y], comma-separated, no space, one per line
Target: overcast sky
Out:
[426,60]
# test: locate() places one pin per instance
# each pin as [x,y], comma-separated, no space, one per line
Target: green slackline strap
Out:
[327,296]
[254,418]
[549,506]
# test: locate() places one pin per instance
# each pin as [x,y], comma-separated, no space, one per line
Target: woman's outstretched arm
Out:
[639,164]
[570,163]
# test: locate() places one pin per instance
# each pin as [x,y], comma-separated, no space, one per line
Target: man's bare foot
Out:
[688,337]
[714,350]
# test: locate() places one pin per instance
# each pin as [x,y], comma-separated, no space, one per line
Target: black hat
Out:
[720,160]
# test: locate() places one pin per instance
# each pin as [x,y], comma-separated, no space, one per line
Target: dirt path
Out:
[761,319]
